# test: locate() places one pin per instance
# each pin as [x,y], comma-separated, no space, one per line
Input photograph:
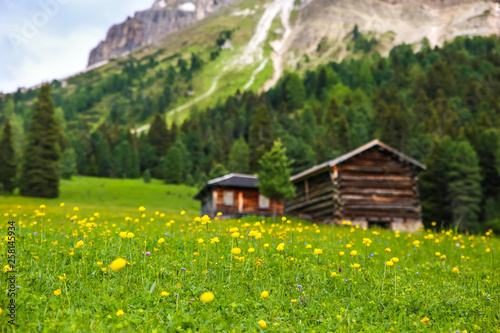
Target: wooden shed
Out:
[373,185]
[235,195]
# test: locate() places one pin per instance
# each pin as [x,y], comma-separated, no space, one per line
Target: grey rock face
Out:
[149,26]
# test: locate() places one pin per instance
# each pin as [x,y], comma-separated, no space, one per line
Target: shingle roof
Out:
[230,180]
[357,151]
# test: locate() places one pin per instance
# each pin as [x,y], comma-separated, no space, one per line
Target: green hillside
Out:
[113,197]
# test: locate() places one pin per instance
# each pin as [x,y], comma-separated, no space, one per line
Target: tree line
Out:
[438,105]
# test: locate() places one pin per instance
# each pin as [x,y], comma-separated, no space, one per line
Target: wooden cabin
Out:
[235,195]
[374,185]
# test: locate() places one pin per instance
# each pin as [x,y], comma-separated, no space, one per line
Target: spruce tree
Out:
[433,184]
[217,171]
[104,159]
[464,186]
[295,92]
[239,157]
[68,164]
[158,136]
[274,176]
[39,175]
[174,166]
[260,136]
[8,165]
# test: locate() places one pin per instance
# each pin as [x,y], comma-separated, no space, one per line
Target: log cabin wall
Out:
[315,198]
[376,188]
[245,202]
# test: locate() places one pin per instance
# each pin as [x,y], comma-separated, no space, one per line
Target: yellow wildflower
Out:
[207,297]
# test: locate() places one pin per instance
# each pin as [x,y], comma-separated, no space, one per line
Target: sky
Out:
[42,40]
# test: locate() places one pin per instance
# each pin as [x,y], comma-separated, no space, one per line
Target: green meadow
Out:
[121,255]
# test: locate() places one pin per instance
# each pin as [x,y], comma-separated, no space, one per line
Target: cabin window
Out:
[263,202]
[228,198]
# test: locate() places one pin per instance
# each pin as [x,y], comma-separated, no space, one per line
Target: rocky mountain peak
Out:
[149,26]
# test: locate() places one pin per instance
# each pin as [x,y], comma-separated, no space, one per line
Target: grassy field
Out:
[287,276]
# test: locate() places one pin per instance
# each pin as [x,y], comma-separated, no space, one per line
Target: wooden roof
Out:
[329,164]
[231,180]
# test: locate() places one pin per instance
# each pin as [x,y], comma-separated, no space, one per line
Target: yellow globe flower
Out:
[119,313]
[389,263]
[387,250]
[57,292]
[235,250]
[251,250]
[395,259]
[455,270]
[354,252]
[99,263]
[79,244]
[318,251]
[161,240]
[207,297]
[123,234]
[142,209]
[266,245]
[308,246]
[264,294]
[215,240]
[355,265]
[235,234]
[1,311]
[262,324]
[164,293]
[130,235]
[118,264]
[341,253]
[280,247]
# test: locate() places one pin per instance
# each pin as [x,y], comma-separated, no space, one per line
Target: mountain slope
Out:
[149,26]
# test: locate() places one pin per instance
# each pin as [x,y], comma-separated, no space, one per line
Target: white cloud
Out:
[38,44]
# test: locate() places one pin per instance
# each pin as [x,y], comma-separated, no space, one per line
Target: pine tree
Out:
[260,136]
[68,164]
[464,186]
[40,168]
[433,184]
[295,92]
[146,176]
[217,171]
[274,176]
[158,136]
[174,166]
[321,82]
[104,159]
[135,169]
[8,165]
[239,157]
[344,135]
